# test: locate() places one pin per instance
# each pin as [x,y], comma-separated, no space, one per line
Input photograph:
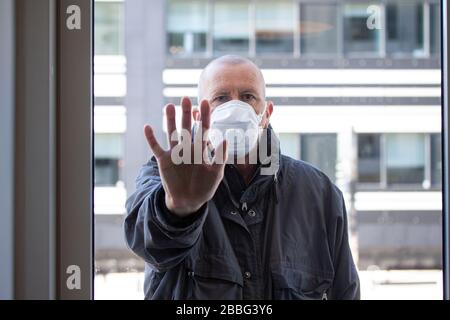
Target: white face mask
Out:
[238,123]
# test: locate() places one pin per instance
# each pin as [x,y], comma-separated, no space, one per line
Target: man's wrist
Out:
[181,211]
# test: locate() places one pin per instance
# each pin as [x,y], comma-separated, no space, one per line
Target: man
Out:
[211,230]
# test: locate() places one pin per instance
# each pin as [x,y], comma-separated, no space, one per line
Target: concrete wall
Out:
[145,52]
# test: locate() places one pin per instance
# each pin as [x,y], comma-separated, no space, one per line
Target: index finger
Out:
[205,115]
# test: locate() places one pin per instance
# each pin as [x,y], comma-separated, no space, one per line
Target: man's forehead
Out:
[226,69]
[226,76]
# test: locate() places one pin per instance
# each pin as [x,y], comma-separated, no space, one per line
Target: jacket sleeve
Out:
[151,231]
[346,285]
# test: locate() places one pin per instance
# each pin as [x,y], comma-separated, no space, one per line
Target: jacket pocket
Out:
[214,278]
[299,283]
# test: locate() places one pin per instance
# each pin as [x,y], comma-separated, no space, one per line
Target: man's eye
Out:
[248,97]
[221,98]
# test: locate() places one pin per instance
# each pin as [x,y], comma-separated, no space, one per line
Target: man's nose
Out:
[235,96]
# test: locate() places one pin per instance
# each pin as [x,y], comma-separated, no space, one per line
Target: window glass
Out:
[318,28]
[108,159]
[290,144]
[358,38]
[369,158]
[436,160]
[106,172]
[187,27]
[405,161]
[435,29]
[109,31]
[321,151]
[231,27]
[274,27]
[402,35]
[353,117]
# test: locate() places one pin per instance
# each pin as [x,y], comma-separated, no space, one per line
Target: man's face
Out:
[226,82]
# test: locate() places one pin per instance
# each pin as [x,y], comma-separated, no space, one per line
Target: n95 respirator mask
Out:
[238,124]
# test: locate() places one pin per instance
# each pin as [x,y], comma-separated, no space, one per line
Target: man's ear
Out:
[268,114]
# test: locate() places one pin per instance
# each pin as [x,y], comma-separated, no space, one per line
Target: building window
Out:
[400,159]
[106,172]
[358,38]
[435,29]
[318,29]
[231,27]
[275,22]
[405,158]
[109,30]
[321,151]
[290,145]
[109,152]
[405,26]
[187,27]
[369,158]
[436,160]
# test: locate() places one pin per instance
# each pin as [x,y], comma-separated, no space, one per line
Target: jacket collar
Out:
[267,174]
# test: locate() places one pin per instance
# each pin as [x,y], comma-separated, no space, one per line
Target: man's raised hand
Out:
[189,185]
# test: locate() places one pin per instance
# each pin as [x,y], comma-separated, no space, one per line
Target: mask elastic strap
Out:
[261,116]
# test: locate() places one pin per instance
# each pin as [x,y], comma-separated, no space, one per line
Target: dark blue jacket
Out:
[285,238]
